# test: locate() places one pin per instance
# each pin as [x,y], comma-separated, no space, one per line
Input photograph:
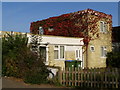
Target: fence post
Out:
[60,76]
[73,76]
[67,76]
[116,79]
[91,77]
[76,75]
[105,76]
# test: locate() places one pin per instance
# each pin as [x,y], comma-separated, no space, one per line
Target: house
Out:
[116,39]
[56,50]
[94,27]
[5,33]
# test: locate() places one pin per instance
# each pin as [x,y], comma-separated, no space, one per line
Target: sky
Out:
[17,16]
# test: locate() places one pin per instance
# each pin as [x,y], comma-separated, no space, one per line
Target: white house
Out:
[55,50]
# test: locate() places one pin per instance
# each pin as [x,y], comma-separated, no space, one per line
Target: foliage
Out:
[113,59]
[11,53]
[37,74]
[55,81]
[19,61]
[72,24]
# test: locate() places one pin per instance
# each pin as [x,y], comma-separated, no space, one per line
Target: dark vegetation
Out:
[113,59]
[20,62]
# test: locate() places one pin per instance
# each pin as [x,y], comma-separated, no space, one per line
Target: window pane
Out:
[103,51]
[56,54]
[101,26]
[56,46]
[76,53]
[79,53]
[106,27]
[61,51]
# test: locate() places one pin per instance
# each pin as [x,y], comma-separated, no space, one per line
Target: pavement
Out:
[10,82]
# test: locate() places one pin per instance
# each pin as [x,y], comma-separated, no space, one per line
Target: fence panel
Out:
[94,77]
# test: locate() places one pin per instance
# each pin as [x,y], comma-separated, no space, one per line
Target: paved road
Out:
[17,83]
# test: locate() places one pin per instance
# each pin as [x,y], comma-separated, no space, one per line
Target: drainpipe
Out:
[86,56]
[82,59]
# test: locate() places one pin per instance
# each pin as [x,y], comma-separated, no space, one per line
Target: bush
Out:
[35,77]
[37,74]
[113,59]
[19,61]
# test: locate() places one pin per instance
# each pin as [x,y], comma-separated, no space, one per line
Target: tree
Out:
[113,59]
[19,61]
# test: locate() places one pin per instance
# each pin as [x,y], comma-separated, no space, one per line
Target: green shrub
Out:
[35,77]
[113,59]
[19,61]
[37,74]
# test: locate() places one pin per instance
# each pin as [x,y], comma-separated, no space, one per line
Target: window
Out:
[77,54]
[106,27]
[103,51]
[11,33]
[50,29]
[56,52]
[92,48]
[103,26]
[41,31]
[59,52]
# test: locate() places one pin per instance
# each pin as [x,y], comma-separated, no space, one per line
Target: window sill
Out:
[103,32]
[59,59]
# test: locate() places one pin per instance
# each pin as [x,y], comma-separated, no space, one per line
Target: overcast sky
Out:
[17,16]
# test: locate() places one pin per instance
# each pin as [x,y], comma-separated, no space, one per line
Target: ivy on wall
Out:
[76,24]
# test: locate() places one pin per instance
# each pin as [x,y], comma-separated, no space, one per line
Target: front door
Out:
[43,53]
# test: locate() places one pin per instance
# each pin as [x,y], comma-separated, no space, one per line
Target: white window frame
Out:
[78,55]
[105,51]
[104,29]
[57,49]
[59,58]
[91,48]
[63,52]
